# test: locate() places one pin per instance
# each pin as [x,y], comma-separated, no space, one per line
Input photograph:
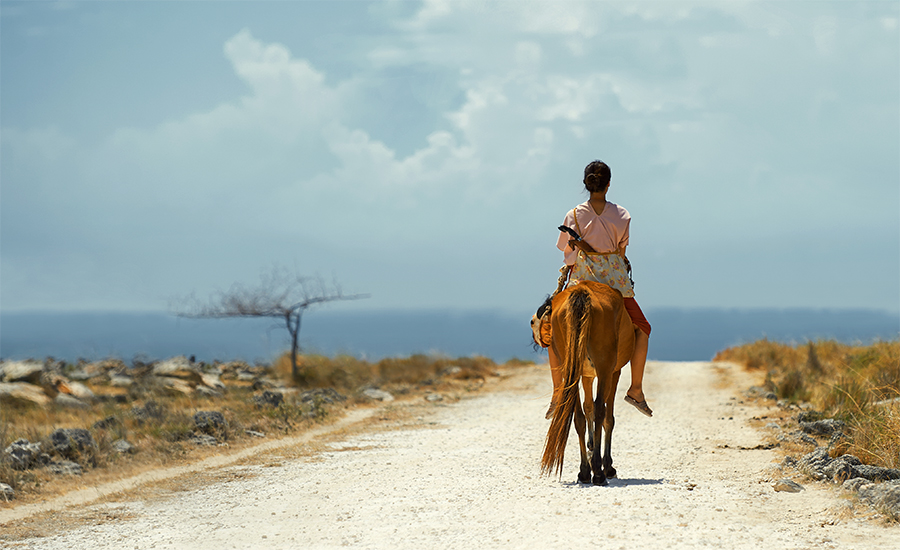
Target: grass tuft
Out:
[857,384]
[349,373]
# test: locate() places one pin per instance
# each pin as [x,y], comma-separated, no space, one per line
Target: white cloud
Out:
[270,69]
[478,100]
[431,11]
[825,33]
[572,98]
[563,18]
[528,55]
[701,116]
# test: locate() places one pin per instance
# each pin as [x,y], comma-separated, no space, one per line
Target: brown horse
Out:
[593,337]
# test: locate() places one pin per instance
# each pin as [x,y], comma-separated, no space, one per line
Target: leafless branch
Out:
[280,294]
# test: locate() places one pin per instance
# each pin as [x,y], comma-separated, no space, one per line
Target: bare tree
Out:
[280,294]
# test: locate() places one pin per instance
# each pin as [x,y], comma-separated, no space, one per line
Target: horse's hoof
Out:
[610,472]
[584,478]
[599,480]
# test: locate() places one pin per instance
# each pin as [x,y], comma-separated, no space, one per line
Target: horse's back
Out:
[603,297]
[609,317]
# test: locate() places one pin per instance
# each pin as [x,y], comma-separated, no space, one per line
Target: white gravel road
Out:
[467,476]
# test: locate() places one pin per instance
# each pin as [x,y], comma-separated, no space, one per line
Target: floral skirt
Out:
[606,268]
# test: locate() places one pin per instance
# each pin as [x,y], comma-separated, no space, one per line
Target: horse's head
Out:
[537,335]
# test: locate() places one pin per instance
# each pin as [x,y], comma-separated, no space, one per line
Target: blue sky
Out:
[424,152]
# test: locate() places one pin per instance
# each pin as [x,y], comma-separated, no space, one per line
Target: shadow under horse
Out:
[593,337]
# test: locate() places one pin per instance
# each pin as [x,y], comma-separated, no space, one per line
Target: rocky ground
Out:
[705,472]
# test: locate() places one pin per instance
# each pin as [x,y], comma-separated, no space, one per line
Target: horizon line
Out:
[480,310]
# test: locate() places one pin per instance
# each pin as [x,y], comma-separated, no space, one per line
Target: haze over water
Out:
[678,334]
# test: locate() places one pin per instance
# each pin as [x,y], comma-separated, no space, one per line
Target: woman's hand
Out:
[585,247]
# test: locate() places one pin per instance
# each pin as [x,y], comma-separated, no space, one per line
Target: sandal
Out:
[639,405]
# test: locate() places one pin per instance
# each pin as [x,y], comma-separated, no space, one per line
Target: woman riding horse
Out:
[599,255]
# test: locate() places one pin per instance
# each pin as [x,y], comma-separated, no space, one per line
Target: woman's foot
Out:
[639,403]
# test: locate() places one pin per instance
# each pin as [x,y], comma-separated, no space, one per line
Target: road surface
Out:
[465,474]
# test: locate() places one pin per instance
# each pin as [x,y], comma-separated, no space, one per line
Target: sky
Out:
[425,152]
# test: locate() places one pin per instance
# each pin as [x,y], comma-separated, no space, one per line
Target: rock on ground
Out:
[65,468]
[22,454]
[69,442]
[123,447]
[21,371]
[22,392]
[210,422]
[787,486]
[885,496]
[378,395]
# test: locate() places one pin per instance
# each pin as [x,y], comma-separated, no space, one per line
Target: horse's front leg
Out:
[584,475]
[599,416]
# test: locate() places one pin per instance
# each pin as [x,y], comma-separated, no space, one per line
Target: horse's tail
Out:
[578,308]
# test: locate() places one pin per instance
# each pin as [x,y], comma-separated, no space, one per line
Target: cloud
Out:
[270,69]
[457,142]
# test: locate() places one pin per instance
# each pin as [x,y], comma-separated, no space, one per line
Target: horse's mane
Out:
[545,306]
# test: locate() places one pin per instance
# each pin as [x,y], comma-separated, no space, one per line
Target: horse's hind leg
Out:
[584,475]
[587,384]
[608,424]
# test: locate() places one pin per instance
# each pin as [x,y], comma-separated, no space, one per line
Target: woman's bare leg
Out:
[638,361]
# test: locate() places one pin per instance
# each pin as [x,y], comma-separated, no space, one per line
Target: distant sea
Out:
[678,334]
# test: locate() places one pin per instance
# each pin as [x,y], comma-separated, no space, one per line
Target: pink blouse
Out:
[605,233]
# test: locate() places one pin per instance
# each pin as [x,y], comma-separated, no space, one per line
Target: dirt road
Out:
[466,475]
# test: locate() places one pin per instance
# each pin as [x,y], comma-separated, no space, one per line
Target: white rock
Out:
[23,392]
[787,486]
[378,395]
[207,391]
[79,390]
[122,446]
[212,381]
[20,371]
[172,365]
[120,381]
[176,385]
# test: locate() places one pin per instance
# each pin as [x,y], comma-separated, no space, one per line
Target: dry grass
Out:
[348,373]
[159,441]
[163,439]
[857,384]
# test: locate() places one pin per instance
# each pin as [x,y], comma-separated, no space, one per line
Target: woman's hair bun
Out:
[596,176]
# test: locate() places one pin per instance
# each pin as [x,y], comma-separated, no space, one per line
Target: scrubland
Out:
[158,422]
[858,384]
